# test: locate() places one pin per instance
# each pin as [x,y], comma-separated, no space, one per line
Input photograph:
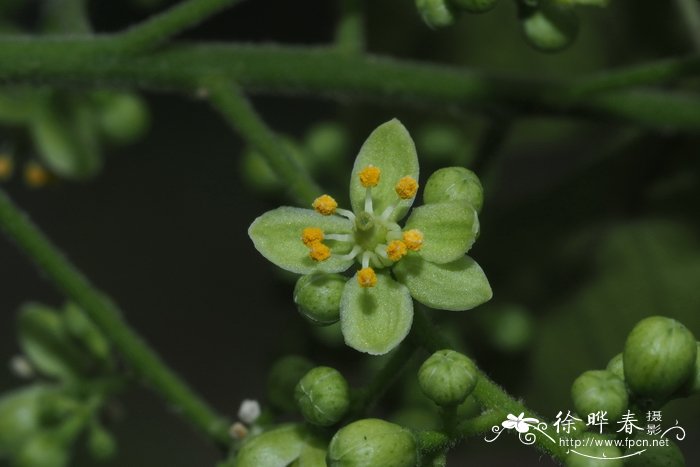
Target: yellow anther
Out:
[311,235]
[7,166]
[396,250]
[325,205]
[413,239]
[369,176]
[366,277]
[319,252]
[35,175]
[406,188]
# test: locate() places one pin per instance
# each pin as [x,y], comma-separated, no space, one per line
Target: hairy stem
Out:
[240,114]
[108,317]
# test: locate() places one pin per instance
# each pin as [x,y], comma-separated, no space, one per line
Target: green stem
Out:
[690,14]
[160,28]
[350,32]
[240,114]
[435,441]
[487,393]
[108,317]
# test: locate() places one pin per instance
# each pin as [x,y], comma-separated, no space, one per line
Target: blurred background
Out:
[588,226]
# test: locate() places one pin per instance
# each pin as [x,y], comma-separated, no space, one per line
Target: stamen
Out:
[354,252]
[368,201]
[347,214]
[7,167]
[413,239]
[369,176]
[325,205]
[365,259]
[406,188]
[340,237]
[35,176]
[319,252]
[366,277]
[311,235]
[396,250]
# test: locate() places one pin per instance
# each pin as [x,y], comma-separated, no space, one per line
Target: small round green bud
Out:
[692,384]
[599,390]
[326,143]
[474,6]
[616,366]
[549,27]
[447,377]
[318,297]
[372,442]
[454,184]
[282,380]
[122,118]
[323,396]
[46,449]
[436,13]
[101,443]
[592,455]
[20,415]
[655,455]
[659,357]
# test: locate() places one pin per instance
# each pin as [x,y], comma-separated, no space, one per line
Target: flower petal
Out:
[457,286]
[375,319]
[391,149]
[277,236]
[449,230]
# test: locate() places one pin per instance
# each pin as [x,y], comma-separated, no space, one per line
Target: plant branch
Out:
[163,27]
[108,317]
[350,32]
[240,114]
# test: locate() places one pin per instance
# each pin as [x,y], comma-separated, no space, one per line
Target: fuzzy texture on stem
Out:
[108,317]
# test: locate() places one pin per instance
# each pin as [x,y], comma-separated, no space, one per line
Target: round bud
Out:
[101,443]
[326,143]
[616,366]
[447,377]
[659,357]
[282,380]
[436,13]
[122,118]
[655,455]
[599,390]
[592,455]
[454,184]
[323,396]
[44,449]
[692,384]
[318,297]
[372,442]
[20,415]
[474,6]
[549,27]
[443,144]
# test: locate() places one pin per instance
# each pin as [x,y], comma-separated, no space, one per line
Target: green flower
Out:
[425,259]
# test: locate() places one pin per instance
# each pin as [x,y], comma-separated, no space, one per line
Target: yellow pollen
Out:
[311,235]
[325,205]
[319,251]
[396,250]
[366,277]
[413,239]
[369,176]
[35,175]
[407,187]
[7,166]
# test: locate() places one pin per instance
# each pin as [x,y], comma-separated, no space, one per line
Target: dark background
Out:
[589,225]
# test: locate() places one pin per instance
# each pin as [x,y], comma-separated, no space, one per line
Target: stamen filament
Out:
[340,237]
[368,201]
[354,252]
[347,214]
[365,259]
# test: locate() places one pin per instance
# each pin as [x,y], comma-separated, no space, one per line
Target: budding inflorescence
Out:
[376,240]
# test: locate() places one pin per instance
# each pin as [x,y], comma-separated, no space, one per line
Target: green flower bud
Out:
[323,396]
[327,143]
[447,377]
[591,451]
[454,184]
[45,449]
[436,13]
[101,443]
[474,6]
[599,390]
[372,442]
[318,297]
[616,366]
[46,342]
[282,380]
[692,385]
[122,118]
[444,144]
[509,328]
[80,326]
[20,416]
[659,357]
[258,173]
[654,455]
[549,27]
[286,445]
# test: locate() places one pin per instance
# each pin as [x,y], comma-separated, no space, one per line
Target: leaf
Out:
[277,236]
[374,320]
[391,149]
[456,286]
[449,230]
